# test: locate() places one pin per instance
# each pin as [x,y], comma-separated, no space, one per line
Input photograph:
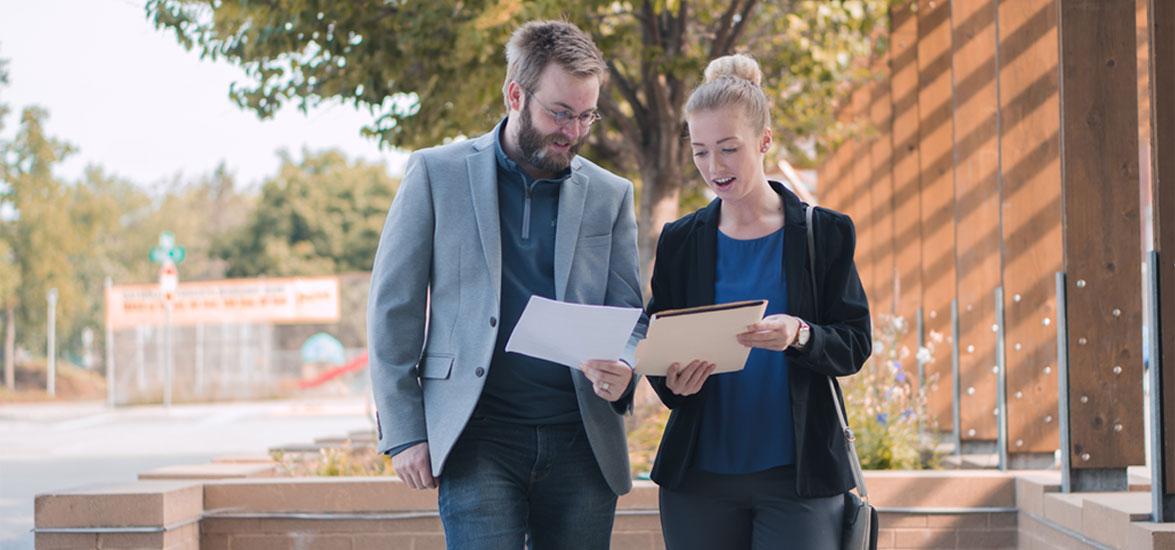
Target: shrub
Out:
[887,407]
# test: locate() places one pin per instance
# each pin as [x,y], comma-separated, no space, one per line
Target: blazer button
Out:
[480,372]
[493,321]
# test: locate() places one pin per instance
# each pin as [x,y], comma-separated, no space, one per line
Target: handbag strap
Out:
[858,477]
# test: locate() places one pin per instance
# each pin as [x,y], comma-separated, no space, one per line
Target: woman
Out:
[755,458]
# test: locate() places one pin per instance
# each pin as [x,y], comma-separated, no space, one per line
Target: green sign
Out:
[167,250]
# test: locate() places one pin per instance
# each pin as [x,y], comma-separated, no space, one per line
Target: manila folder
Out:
[706,333]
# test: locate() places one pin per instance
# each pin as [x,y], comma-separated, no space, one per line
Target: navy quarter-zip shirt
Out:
[520,388]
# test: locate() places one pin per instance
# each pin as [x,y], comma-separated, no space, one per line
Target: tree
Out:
[37,229]
[201,212]
[322,214]
[431,71]
[9,275]
[72,235]
[9,284]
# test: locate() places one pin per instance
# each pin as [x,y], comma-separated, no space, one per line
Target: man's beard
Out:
[533,145]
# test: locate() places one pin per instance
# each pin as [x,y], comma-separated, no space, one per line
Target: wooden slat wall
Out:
[936,166]
[860,204]
[1161,42]
[1099,80]
[881,298]
[907,202]
[1030,178]
[977,206]
[835,184]
[961,193]
[1142,38]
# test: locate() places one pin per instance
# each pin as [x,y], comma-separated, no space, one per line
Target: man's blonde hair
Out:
[538,43]
[733,80]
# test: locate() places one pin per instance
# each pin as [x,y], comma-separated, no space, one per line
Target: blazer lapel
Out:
[706,255]
[572,197]
[795,256]
[483,183]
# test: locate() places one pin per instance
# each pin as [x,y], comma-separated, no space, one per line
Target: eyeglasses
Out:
[564,118]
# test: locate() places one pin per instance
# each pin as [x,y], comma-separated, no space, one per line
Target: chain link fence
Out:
[233,360]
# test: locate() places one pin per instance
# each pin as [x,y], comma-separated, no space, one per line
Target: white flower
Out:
[899,323]
[936,336]
[924,355]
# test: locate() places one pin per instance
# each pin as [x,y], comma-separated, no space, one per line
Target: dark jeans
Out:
[753,511]
[505,485]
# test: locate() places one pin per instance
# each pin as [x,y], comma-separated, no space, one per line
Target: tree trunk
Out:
[661,180]
[10,348]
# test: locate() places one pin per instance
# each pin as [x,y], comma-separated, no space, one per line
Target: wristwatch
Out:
[802,336]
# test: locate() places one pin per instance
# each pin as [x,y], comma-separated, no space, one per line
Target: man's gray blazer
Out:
[440,263]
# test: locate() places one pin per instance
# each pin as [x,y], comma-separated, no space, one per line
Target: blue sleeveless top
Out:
[746,416]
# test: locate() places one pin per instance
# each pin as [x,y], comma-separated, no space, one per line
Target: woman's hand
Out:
[688,380]
[775,332]
[609,378]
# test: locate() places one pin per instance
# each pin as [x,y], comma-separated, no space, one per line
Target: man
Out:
[521,448]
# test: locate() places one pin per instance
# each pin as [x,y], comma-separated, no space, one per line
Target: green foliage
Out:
[120,222]
[36,228]
[322,214]
[201,212]
[645,428]
[348,460]
[430,71]
[886,407]
[402,59]
[9,274]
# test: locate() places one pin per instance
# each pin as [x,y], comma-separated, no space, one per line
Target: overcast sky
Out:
[134,102]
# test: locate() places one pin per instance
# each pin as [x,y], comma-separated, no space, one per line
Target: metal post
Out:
[51,352]
[919,327]
[200,358]
[266,339]
[110,381]
[246,356]
[1162,504]
[167,354]
[140,358]
[158,335]
[1001,389]
[956,384]
[223,356]
[1063,382]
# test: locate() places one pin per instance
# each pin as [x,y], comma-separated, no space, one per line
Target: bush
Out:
[351,459]
[886,405]
[645,429]
[886,408]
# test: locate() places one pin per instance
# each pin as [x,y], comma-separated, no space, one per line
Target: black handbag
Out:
[860,521]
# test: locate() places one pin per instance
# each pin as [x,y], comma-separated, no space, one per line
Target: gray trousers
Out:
[756,511]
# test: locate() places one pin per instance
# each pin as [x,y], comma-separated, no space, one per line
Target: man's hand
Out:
[414,466]
[688,380]
[609,378]
[774,332]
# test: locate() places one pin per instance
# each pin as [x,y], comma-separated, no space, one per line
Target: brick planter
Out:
[235,503]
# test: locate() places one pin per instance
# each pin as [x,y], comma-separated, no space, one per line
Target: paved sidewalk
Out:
[52,446]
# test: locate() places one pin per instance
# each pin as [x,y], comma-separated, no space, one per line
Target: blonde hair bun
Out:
[739,66]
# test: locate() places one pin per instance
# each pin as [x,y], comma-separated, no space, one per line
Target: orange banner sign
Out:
[280,301]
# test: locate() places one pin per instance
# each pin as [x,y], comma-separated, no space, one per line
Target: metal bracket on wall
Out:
[1001,391]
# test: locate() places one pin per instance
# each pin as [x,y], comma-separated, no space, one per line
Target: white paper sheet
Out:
[570,334]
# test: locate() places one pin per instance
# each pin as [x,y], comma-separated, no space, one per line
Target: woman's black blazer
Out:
[683,276]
